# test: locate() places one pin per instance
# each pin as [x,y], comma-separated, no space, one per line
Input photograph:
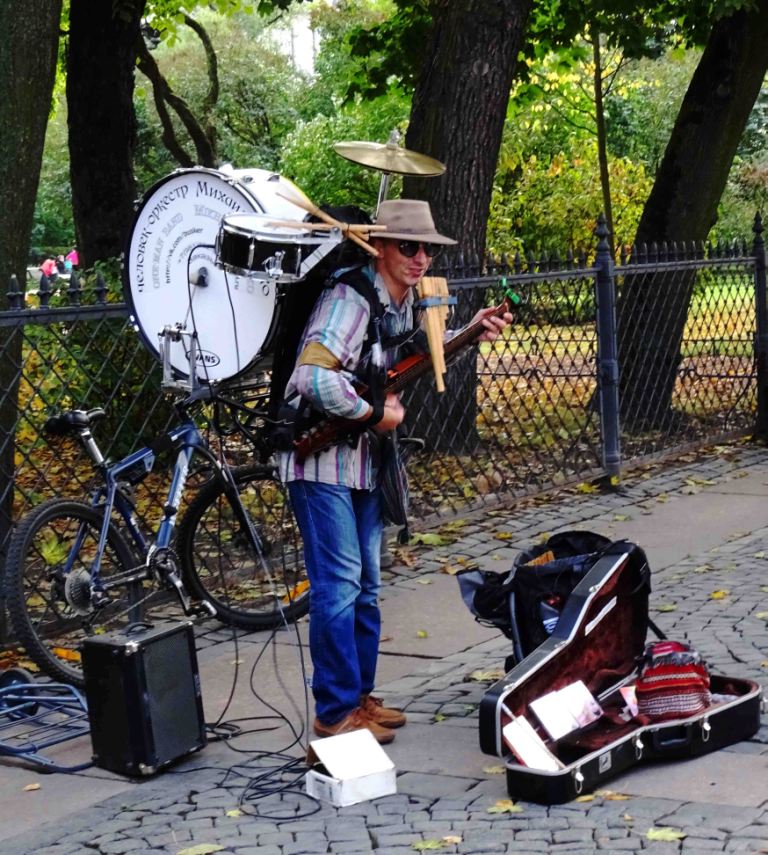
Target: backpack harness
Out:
[292,421]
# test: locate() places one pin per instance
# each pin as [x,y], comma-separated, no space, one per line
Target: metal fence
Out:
[541,406]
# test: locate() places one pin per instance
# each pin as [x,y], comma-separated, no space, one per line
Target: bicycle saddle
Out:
[72,421]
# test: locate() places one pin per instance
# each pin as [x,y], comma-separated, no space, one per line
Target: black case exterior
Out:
[144,701]
[611,601]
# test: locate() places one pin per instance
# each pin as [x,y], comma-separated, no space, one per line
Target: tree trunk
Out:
[683,206]
[101,60]
[459,108]
[457,116]
[29,37]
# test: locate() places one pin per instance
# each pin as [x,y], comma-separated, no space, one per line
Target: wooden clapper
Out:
[434,299]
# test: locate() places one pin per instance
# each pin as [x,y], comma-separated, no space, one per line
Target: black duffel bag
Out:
[525,603]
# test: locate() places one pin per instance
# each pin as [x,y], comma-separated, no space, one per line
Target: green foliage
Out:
[258,98]
[391,50]
[641,112]
[335,65]
[53,226]
[309,159]
[553,203]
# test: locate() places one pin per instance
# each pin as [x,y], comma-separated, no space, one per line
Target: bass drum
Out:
[171,278]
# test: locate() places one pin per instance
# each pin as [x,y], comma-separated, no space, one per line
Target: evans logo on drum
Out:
[205,357]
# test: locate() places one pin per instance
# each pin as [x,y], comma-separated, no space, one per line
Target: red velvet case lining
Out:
[601,658]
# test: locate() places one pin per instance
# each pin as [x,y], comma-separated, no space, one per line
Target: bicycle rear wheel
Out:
[251,590]
[48,573]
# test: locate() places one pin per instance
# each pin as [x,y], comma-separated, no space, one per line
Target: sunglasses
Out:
[409,248]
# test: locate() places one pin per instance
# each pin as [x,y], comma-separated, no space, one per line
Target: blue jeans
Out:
[341,529]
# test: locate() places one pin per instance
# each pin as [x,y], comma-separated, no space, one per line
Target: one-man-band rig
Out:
[212,252]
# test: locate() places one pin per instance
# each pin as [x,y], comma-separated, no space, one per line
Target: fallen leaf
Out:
[759,555]
[764,663]
[666,607]
[668,834]
[703,568]
[762,615]
[719,595]
[201,849]
[494,770]
[587,798]
[764,589]
[421,633]
[584,487]
[30,787]
[234,812]
[503,535]
[622,517]
[422,845]
[610,796]
[486,676]
[438,717]
[450,569]
[452,839]
[505,806]
[406,557]
[662,497]
[385,638]
[628,817]
[424,581]
[428,539]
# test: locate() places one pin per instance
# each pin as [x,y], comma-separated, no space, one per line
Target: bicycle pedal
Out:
[99,599]
[200,608]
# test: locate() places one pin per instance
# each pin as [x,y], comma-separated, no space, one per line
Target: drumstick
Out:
[303,224]
[311,208]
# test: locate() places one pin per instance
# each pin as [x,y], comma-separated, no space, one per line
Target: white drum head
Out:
[171,252]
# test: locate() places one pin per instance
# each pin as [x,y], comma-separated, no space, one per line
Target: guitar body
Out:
[329,432]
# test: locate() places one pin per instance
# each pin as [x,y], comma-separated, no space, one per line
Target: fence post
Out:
[761,329]
[607,363]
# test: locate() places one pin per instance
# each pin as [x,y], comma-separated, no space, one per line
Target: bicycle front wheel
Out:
[50,584]
[250,588]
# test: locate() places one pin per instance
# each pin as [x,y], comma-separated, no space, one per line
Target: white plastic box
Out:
[352,768]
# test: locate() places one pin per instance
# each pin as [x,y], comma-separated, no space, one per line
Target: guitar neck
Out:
[329,431]
[412,368]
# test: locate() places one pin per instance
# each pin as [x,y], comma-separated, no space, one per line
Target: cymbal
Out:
[389,158]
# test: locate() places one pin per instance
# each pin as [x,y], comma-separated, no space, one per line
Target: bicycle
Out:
[71,572]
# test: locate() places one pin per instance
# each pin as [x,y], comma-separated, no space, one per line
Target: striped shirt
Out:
[339,322]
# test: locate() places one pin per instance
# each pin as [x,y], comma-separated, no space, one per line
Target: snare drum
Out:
[171,276]
[249,245]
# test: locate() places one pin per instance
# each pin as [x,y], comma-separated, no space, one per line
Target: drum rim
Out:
[128,295]
[305,236]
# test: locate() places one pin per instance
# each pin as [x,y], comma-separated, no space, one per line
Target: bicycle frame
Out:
[110,498]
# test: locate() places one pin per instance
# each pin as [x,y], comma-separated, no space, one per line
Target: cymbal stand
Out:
[386,177]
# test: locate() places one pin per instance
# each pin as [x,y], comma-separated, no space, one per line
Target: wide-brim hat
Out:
[409,219]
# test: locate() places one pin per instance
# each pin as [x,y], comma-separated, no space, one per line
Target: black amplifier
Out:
[143,691]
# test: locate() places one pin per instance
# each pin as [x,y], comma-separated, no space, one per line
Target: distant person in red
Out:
[49,270]
[72,259]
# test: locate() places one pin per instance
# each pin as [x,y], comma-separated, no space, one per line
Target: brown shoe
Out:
[355,720]
[376,712]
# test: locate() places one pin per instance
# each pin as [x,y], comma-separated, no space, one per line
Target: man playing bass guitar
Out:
[335,491]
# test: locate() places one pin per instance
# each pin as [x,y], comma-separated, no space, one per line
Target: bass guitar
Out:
[330,431]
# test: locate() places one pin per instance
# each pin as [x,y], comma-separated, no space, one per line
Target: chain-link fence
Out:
[545,404]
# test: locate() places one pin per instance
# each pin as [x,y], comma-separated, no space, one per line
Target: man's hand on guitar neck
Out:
[394,413]
[493,324]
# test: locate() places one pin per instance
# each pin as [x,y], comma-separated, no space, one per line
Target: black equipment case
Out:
[598,639]
[144,701]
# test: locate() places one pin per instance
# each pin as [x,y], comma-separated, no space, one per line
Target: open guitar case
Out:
[599,639]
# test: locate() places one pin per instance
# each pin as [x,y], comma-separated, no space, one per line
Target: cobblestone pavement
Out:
[207,805]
